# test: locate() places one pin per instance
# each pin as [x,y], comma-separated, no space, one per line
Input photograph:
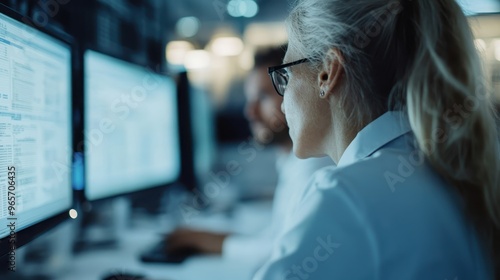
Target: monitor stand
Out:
[101,224]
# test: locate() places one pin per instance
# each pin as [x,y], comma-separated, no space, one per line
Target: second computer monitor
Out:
[131,127]
[203,130]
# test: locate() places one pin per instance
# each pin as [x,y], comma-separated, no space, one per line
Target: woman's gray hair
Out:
[315,26]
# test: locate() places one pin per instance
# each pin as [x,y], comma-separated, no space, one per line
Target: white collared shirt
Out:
[383,213]
[293,175]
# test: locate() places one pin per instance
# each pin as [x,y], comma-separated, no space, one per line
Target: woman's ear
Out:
[329,78]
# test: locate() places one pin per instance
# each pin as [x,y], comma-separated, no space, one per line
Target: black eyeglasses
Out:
[279,75]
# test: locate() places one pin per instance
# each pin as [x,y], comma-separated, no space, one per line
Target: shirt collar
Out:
[282,158]
[375,135]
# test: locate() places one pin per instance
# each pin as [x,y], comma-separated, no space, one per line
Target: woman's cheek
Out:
[285,110]
[285,107]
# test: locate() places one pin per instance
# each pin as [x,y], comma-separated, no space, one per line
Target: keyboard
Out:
[158,254]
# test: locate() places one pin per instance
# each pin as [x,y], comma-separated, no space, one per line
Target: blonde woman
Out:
[392,92]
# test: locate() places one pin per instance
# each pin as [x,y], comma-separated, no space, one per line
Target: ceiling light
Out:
[227,46]
[496,45]
[480,45]
[197,59]
[177,50]
[251,9]
[233,8]
[187,26]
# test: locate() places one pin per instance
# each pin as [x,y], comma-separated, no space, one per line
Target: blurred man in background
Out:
[268,126]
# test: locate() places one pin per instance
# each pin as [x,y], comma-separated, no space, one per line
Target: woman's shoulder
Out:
[387,168]
[392,178]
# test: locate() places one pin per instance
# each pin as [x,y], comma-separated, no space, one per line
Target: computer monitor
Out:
[198,145]
[203,129]
[35,130]
[131,128]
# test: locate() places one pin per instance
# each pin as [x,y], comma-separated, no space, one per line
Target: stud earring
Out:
[322,94]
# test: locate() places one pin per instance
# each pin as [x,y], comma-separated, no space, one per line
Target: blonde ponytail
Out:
[452,115]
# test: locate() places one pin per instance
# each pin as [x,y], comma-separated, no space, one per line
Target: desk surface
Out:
[125,258]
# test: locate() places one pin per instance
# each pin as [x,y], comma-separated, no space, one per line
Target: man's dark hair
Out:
[270,56]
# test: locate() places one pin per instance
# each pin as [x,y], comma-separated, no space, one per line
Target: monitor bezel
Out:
[82,194]
[33,231]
